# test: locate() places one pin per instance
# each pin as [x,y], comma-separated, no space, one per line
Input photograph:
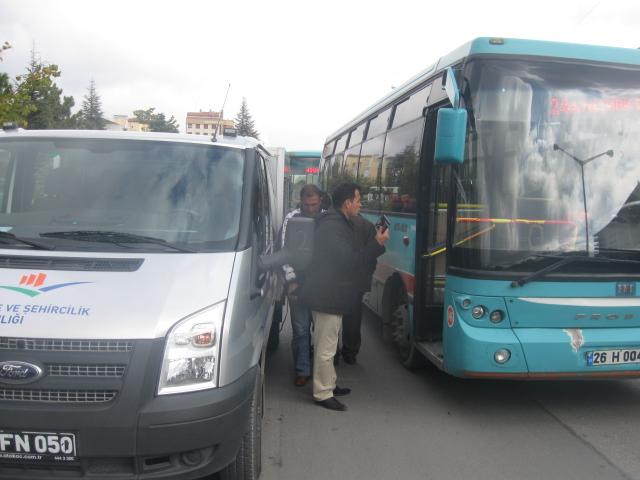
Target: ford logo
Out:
[19,372]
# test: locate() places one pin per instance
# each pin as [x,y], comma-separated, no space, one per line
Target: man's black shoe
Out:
[332,404]
[350,360]
[339,392]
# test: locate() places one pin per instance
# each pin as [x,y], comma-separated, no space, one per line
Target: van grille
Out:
[57,396]
[7,343]
[87,370]
[71,264]
[75,372]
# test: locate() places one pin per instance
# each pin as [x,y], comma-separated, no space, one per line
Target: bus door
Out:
[432,234]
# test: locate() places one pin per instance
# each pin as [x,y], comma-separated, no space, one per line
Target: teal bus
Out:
[303,167]
[510,173]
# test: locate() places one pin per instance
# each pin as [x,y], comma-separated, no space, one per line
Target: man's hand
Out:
[292,287]
[382,235]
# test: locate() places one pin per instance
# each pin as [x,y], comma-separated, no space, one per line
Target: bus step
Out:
[433,351]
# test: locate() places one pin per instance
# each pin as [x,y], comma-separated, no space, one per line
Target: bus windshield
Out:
[552,166]
[107,194]
[303,171]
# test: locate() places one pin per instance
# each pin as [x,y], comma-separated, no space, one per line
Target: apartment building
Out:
[204,123]
[126,123]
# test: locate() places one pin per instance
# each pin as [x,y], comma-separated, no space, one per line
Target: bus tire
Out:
[402,334]
[248,462]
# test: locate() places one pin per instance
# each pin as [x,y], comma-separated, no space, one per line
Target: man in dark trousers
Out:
[365,232]
[331,288]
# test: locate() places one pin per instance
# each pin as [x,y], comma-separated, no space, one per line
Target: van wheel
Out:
[248,462]
[410,357]
[274,332]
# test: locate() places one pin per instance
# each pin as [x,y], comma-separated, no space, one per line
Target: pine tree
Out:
[51,111]
[16,98]
[244,123]
[92,117]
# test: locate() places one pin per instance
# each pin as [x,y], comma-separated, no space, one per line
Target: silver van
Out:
[133,304]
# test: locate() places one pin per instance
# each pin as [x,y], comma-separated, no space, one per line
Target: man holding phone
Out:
[330,287]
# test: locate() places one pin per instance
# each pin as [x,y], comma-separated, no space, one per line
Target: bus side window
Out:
[370,172]
[401,162]
[335,173]
[352,156]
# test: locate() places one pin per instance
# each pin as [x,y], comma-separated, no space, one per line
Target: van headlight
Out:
[192,353]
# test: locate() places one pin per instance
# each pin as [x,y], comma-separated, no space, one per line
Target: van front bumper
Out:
[188,435]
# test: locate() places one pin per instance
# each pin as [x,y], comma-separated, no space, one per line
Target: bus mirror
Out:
[450,136]
[450,86]
[298,246]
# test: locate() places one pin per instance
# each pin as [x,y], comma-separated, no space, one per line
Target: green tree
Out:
[50,111]
[244,123]
[91,115]
[157,121]
[16,101]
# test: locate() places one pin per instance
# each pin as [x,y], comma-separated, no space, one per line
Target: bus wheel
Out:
[402,335]
[248,462]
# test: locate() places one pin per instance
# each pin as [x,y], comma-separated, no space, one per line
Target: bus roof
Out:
[501,46]
[304,153]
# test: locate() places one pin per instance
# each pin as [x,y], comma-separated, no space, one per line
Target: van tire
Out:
[274,332]
[248,462]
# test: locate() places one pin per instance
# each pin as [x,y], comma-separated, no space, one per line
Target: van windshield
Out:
[187,195]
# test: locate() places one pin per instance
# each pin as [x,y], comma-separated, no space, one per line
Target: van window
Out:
[177,192]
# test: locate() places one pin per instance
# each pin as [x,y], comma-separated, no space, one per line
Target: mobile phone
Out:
[383,222]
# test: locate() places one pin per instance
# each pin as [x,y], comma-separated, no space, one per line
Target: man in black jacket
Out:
[331,288]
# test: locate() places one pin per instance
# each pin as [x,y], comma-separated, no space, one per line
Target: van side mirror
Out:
[298,246]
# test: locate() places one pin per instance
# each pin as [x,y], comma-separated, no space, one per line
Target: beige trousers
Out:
[325,341]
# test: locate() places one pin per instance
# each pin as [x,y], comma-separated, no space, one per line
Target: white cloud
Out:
[304,70]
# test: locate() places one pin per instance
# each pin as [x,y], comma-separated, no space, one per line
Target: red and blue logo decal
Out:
[37,280]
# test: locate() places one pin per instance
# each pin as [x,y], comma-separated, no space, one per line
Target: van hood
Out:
[142,304]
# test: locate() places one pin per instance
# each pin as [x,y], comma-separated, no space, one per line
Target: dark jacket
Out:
[365,233]
[331,280]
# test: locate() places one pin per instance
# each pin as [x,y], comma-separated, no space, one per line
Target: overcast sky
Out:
[305,68]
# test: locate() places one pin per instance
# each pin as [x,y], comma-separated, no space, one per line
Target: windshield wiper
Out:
[41,246]
[114,237]
[564,260]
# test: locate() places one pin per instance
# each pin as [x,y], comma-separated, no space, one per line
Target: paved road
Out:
[427,425]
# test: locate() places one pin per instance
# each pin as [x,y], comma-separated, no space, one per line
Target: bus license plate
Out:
[37,446]
[613,357]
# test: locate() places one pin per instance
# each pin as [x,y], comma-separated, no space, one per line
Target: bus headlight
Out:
[192,353]
[496,316]
[477,312]
[502,356]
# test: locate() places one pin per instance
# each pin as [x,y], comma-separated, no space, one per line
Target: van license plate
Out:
[37,446]
[613,357]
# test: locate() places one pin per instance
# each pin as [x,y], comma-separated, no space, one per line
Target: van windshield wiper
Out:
[563,261]
[41,246]
[114,237]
